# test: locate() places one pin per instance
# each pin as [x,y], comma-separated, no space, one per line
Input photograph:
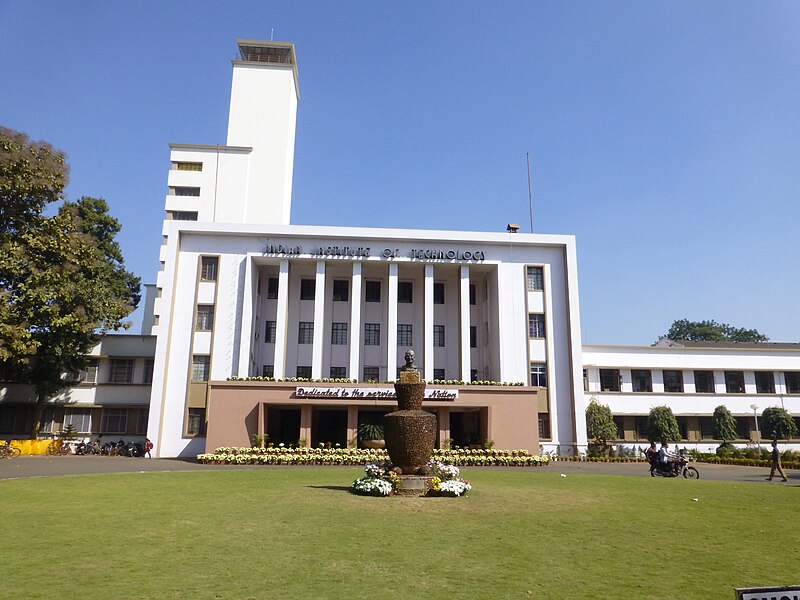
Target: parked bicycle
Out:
[9,451]
[58,448]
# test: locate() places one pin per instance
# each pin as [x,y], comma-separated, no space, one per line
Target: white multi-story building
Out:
[244,300]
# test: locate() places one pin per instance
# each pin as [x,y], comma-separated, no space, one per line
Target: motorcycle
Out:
[679,466]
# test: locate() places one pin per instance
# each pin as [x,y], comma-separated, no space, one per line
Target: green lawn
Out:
[298,533]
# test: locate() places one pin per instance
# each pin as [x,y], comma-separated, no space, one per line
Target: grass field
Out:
[299,533]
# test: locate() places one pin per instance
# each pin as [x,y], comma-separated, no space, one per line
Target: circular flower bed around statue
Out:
[381,480]
[282,455]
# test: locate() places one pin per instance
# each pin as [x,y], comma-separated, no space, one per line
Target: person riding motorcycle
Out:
[666,458]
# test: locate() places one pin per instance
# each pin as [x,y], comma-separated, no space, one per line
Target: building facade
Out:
[256,326]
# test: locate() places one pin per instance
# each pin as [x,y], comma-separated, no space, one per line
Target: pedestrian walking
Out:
[148,445]
[776,463]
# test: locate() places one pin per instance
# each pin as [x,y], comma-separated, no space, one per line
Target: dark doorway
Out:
[329,426]
[283,425]
[465,428]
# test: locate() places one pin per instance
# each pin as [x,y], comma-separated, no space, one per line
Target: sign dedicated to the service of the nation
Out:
[372,393]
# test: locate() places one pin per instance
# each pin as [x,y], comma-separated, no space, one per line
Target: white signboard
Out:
[790,592]
[371,393]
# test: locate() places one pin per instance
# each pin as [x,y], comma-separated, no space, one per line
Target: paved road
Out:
[49,466]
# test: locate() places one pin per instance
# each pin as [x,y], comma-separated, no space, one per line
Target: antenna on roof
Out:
[530,195]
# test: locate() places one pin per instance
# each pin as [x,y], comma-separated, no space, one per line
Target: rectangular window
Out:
[341,290]
[141,421]
[269,332]
[196,422]
[706,428]
[704,382]
[734,382]
[184,191]
[405,292]
[80,418]
[303,371]
[404,336]
[539,374]
[200,367]
[187,166]
[438,293]
[620,427]
[536,325]
[338,334]
[305,332]
[272,288]
[642,380]
[338,372]
[743,425]
[114,420]
[473,294]
[640,428]
[438,374]
[308,288]
[765,382]
[372,334]
[673,381]
[268,371]
[182,215]
[205,317]
[438,336]
[149,364]
[609,380]
[47,423]
[792,379]
[371,374]
[89,374]
[9,417]
[208,268]
[121,370]
[473,336]
[544,426]
[535,278]
[372,291]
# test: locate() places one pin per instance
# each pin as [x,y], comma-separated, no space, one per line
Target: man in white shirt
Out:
[664,456]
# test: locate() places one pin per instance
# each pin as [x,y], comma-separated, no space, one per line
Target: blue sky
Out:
[664,135]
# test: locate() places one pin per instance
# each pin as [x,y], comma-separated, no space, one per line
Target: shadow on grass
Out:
[335,488]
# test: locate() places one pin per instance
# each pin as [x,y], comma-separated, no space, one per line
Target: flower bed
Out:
[277,455]
[381,480]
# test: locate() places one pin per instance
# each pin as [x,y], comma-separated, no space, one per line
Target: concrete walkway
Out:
[50,466]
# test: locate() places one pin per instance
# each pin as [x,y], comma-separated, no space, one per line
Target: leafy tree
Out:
[724,424]
[711,331]
[62,278]
[777,424]
[600,424]
[662,426]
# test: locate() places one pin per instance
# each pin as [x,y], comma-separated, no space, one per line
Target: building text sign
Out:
[371,393]
[366,252]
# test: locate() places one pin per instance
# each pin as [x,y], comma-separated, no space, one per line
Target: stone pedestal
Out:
[415,486]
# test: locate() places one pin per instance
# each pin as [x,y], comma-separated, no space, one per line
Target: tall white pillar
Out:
[246,332]
[354,372]
[428,324]
[463,300]
[391,335]
[319,322]
[279,367]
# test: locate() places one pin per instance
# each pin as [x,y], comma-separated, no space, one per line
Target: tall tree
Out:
[724,424]
[662,426]
[62,278]
[711,331]
[600,424]
[777,424]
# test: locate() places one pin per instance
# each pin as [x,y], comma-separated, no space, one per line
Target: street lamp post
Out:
[758,435]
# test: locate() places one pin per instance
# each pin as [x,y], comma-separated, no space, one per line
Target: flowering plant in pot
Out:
[371,435]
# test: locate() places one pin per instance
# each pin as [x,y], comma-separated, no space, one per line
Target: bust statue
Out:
[409,366]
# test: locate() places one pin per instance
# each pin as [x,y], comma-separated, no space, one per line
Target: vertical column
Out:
[354,372]
[427,368]
[352,423]
[391,325]
[463,301]
[552,379]
[306,414]
[246,332]
[319,321]
[281,323]
[444,424]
